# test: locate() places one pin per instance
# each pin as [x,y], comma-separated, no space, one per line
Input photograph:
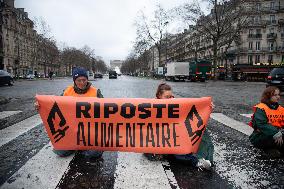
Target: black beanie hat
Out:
[78,72]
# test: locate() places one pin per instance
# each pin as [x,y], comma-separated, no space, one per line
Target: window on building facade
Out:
[258,6]
[272,19]
[258,33]
[271,30]
[250,45]
[272,5]
[270,58]
[257,45]
[256,20]
[271,46]
[282,61]
[250,59]
[250,31]
[257,58]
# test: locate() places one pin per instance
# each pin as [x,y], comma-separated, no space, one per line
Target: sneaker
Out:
[204,164]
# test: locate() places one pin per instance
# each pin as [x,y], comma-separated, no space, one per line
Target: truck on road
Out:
[199,70]
[176,71]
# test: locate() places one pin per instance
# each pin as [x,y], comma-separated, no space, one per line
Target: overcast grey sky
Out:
[107,26]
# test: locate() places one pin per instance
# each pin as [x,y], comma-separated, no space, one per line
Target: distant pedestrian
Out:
[50,74]
[268,123]
[203,159]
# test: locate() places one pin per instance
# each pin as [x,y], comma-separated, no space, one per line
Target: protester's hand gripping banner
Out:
[160,126]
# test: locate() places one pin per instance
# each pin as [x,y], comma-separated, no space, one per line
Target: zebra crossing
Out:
[132,170]
[17,129]
[237,125]
[8,113]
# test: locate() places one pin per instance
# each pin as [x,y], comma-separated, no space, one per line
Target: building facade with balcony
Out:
[17,39]
[23,51]
[263,38]
[259,43]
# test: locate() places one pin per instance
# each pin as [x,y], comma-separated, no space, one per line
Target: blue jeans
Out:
[205,151]
[192,159]
[86,153]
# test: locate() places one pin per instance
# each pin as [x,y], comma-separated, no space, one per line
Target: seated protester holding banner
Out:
[81,88]
[268,124]
[203,159]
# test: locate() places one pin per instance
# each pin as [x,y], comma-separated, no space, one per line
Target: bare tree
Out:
[221,27]
[130,64]
[89,54]
[140,50]
[152,32]
[99,65]
[84,57]
[42,27]
[45,51]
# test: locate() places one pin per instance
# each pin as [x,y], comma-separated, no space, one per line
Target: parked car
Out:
[98,75]
[276,78]
[112,75]
[30,76]
[6,78]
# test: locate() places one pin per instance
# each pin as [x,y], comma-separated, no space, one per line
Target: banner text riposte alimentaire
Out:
[160,126]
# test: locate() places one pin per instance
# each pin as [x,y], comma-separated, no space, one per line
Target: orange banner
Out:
[161,126]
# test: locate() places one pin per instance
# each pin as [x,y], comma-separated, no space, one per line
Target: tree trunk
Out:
[214,59]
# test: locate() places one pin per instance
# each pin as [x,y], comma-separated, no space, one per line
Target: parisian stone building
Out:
[260,43]
[17,38]
[23,51]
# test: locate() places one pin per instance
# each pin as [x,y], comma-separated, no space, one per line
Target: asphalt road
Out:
[238,164]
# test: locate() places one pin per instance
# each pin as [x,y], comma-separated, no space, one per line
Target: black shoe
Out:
[150,157]
[153,157]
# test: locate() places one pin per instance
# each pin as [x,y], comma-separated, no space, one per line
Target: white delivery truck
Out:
[177,71]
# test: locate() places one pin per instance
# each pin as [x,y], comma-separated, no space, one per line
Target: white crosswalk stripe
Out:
[5,114]
[17,129]
[240,176]
[44,170]
[247,115]
[237,125]
[133,170]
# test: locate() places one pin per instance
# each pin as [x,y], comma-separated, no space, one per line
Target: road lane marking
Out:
[133,170]
[171,177]
[17,129]
[242,174]
[5,114]
[229,122]
[44,170]
[247,115]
